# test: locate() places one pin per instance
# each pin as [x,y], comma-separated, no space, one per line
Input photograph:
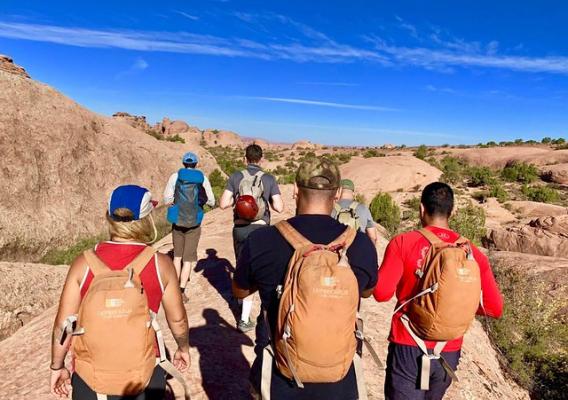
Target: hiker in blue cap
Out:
[187,191]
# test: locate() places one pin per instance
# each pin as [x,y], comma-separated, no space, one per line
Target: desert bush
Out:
[520,172]
[360,198]
[66,255]
[385,212]
[480,176]
[421,152]
[541,194]
[218,183]
[176,138]
[530,333]
[469,221]
[370,153]
[546,140]
[453,170]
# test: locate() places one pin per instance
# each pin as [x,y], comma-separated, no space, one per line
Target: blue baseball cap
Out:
[132,197]
[190,158]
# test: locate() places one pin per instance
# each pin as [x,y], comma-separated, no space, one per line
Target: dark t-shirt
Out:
[269,185]
[263,265]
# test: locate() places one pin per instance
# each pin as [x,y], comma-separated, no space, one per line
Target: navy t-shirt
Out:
[263,265]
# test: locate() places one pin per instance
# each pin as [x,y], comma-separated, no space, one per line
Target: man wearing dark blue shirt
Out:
[264,260]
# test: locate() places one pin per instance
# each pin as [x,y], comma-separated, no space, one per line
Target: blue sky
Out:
[335,72]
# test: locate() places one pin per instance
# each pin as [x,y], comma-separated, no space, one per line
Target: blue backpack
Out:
[189,198]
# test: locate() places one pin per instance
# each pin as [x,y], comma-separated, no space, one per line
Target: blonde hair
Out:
[142,230]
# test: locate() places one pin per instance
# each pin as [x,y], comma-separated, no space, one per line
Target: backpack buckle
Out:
[419,272]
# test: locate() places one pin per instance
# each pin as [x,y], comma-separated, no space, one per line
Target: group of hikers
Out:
[310,271]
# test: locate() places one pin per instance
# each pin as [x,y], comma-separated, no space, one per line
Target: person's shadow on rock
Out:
[224,368]
[219,273]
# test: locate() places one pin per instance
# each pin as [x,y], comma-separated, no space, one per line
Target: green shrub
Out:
[469,221]
[541,194]
[453,170]
[176,138]
[558,141]
[385,212]
[360,198]
[372,153]
[530,333]
[421,152]
[520,172]
[498,191]
[66,255]
[546,140]
[480,176]
[218,183]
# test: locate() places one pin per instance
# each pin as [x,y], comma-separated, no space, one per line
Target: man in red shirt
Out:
[397,274]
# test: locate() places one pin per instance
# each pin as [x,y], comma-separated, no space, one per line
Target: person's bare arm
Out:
[227,200]
[174,309]
[372,233]
[68,305]
[276,203]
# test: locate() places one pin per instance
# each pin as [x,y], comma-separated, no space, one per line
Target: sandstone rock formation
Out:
[534,209]
[26,291]
[388,174]
[167,127]
[7,65]
[222,138]
[547,236]
[304,145]
[496,215]
[498,157]
[135,121]
[556,173]
[59,163]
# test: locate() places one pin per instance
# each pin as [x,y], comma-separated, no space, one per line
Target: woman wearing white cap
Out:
[109,305]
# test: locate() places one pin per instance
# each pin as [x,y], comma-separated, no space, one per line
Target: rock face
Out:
[556,173]
[499,157]
[59,163]
[388,174]
[221,356]
[216,137]
[534,209]
[135,121]
[7,65]
[167,127]
[26,291]
[547,236]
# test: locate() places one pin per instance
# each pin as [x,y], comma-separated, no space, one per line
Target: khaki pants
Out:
[185,242]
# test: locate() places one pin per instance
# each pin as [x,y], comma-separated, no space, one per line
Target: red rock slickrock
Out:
[135,121]
[499,157]
[556,173]
[59,163]
[7,65]
[222,138]
[547,236]
[168,127]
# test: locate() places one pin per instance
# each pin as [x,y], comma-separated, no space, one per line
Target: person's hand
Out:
[59,382]
[181,361]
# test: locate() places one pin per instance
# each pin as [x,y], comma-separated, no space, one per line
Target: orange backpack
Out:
[447,299]
[315,331]
[115,331]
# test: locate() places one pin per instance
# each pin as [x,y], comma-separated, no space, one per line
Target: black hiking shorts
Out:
[156,389]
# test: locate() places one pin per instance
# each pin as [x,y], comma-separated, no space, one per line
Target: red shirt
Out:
[397,273]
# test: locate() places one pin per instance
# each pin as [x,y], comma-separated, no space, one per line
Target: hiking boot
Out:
[245,326]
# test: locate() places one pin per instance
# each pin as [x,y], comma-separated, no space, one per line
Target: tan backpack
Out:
[447,299]
[348,215]
[315,331]
[115,331]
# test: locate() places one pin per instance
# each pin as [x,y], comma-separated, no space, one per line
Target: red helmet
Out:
[246,207]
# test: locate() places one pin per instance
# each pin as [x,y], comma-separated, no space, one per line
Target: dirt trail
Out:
[221,356]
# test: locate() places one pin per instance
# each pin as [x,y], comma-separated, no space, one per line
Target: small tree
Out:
[218,182]
[421,152]
[385,212]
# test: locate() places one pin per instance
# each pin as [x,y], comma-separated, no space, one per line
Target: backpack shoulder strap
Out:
[141,260]
[431,237]
[345,239]
[292,236]
[353,206]
[95,264]
[337,208]
[246,174]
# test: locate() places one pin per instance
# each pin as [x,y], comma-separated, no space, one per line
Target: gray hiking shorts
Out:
[185,242]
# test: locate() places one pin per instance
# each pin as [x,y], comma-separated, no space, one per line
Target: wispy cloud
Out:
[186,15]
[346,84]
[432,88]
[321,103]
[306,45]
[138,65]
